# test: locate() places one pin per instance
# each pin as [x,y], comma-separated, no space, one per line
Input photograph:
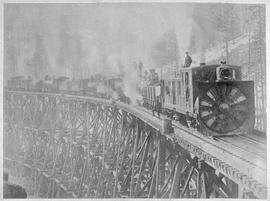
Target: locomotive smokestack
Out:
[202,64]
[222,62]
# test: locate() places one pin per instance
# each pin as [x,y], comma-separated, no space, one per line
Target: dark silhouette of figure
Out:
[157,107]
[188,61]
[12,190]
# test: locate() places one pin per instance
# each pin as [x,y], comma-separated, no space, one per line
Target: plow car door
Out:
[186,91]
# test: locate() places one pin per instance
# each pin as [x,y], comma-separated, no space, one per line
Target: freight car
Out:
[212,98]
[96,86]
[150,93]
[20,83]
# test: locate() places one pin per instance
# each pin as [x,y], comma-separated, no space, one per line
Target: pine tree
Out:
[258,50]
[77,63]
[225,21]
[39,61]
[64,39]
[11,32]
[258,37]
[166,52]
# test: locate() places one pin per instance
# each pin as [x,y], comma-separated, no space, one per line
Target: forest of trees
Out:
[166,51]
[33,48]
[27,40]
[214,24]
[70,54]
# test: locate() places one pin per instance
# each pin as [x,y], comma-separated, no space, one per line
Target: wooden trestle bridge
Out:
[67,146]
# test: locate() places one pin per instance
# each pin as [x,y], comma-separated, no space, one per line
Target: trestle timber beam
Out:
[74,146]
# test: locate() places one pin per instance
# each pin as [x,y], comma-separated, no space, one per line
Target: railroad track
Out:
[259,140]
[244,143]
[242,158]
[252,143]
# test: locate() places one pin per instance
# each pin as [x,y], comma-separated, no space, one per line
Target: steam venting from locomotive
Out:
[130,88]
[131,81]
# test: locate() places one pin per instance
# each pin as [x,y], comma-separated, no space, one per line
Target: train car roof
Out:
[172,74]
[154,84]
[114,78]
[17,78]
[63,78]
[212,66]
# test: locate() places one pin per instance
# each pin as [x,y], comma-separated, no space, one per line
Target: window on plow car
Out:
[158,90]
[173,92]
[148,95]
[178,91]
[225,73]
[167,88]
[153,95]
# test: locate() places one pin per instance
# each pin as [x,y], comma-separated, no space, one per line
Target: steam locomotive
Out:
[212,98]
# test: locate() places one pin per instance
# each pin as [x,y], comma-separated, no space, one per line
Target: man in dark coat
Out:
[157,106]
[188,61]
